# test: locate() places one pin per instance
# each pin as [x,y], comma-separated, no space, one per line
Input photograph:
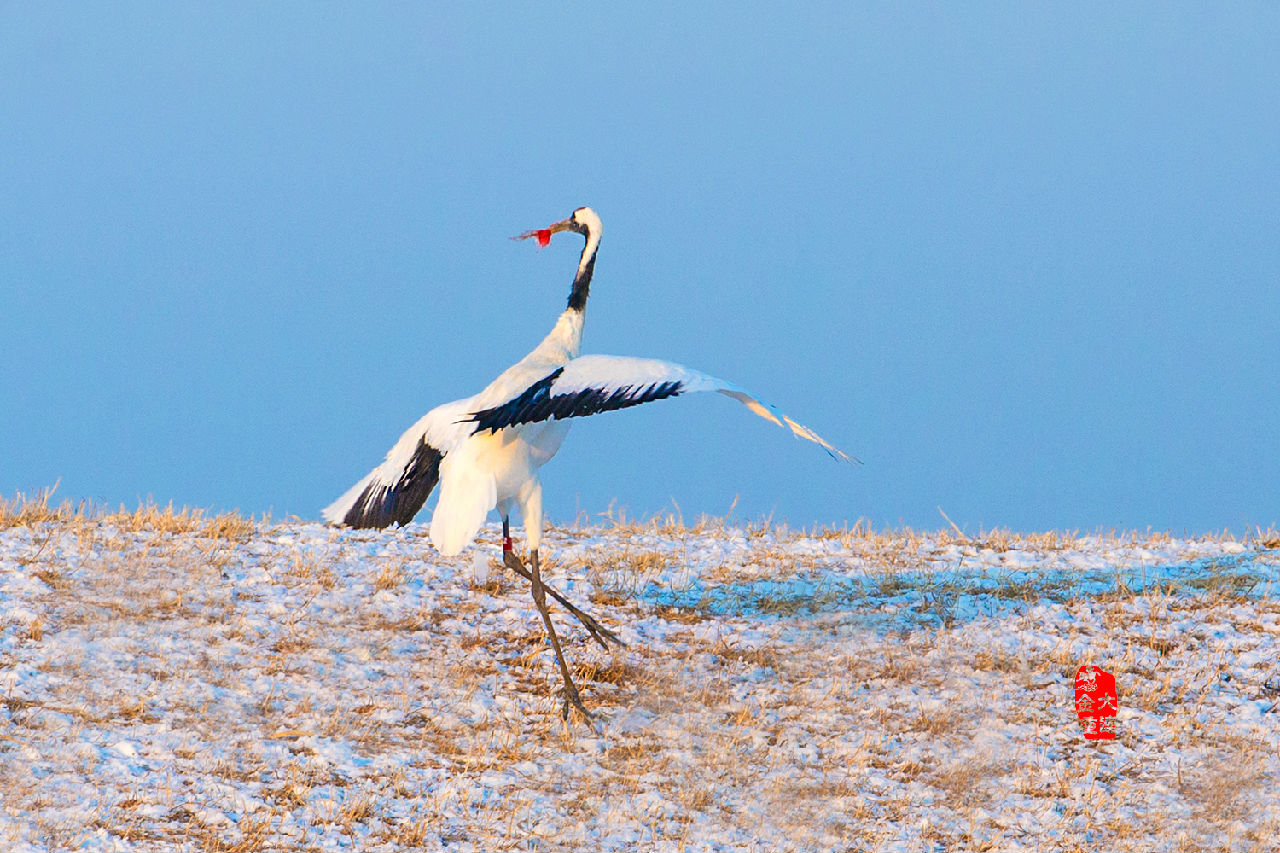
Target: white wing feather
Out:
[597,383]
[527,393]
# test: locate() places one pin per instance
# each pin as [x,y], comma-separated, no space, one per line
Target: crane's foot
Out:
[572,701]
[598,632]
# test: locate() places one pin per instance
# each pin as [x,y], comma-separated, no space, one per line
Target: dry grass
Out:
[1226,787]
[390,576]
[793,728]
[23,511]
[78,518]
[862,536]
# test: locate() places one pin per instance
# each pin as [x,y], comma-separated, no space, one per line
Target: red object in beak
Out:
[543,235]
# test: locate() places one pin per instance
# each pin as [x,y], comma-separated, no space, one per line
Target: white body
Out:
[481,471]
[501,469]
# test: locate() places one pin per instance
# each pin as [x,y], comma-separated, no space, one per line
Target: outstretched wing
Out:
[397,489]
[593,384]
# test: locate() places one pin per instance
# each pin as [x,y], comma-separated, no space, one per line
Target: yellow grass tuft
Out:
[24,511]
[33,511]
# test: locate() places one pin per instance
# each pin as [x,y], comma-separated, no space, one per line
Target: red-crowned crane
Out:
[485,451]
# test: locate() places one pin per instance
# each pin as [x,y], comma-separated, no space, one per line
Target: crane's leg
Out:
[598,632]
[513,562]
[539,598]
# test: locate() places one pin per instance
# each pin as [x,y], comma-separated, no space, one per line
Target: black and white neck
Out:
[585,222]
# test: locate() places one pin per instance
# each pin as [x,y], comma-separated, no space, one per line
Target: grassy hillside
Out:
[175,680]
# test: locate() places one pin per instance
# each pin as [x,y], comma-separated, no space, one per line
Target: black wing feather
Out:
[379,504]
[538,403]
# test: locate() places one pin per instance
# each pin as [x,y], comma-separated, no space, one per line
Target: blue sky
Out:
[1020,259]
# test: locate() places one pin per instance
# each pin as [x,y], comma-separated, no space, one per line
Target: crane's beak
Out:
[544,234]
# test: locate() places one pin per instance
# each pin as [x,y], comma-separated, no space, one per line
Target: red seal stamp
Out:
[1096,702]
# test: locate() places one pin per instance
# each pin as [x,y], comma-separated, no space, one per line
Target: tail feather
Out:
[468,493]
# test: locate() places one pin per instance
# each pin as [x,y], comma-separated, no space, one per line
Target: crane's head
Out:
[583,220]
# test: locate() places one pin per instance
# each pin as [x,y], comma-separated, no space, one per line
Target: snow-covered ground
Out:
[211,684]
